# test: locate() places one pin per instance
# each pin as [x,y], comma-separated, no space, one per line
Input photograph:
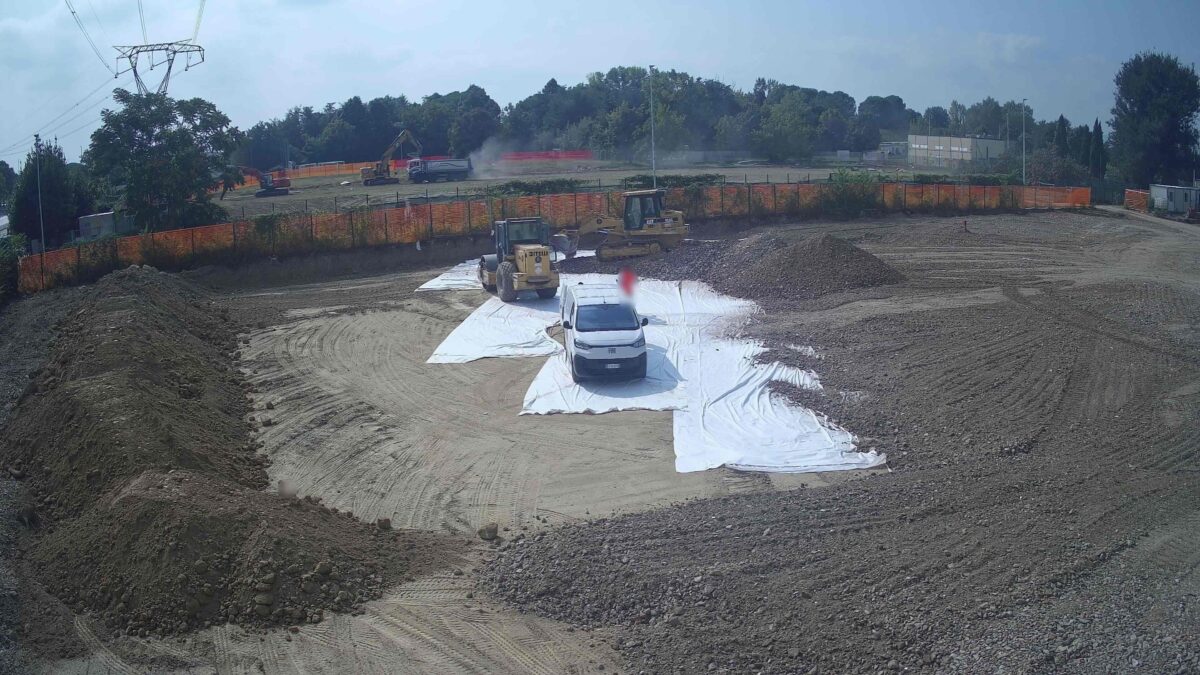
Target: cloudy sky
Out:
[264,56]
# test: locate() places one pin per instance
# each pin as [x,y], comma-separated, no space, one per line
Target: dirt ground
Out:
[1036,386]
[1034,382]
[318,194]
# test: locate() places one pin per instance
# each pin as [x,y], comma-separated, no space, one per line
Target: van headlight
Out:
[640,342]
[582,345]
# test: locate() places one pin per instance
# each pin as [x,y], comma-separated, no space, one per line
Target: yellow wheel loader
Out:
[644,228]
[522,261]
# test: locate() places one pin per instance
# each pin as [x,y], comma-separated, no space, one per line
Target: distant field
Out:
[328,194]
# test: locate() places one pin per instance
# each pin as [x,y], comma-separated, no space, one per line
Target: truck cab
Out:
[602,332]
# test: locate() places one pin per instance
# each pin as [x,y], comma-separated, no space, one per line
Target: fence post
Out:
[774,199]
[312,231]
[79,259]
[468,215]
[575,206]
[386,238]
[335,203]
[193,231]
[233,230]
[722,193]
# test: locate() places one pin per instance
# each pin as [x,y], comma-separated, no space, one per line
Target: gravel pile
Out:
[772,270]
[145,492]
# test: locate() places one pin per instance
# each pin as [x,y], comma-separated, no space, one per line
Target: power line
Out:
[199,15]
[83,29]
[100,23]
[142,16]
[25,139]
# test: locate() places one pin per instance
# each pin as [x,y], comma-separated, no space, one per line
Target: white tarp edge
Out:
[502,329]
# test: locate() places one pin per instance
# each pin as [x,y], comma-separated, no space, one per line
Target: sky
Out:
[265,56]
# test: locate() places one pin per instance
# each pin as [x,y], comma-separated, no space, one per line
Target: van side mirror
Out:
[645,321]
[566,325]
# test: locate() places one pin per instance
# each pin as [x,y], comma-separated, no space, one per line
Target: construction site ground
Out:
[319,193]
[1035,382]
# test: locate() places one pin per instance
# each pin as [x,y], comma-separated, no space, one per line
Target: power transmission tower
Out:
[162,55]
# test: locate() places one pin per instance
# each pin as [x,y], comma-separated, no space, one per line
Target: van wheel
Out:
[505,275]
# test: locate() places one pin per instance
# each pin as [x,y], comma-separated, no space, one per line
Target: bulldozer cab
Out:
[514,231]
[642,205]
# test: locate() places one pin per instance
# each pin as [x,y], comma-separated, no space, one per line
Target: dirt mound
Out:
[771,269]
[165,551]
[134,442]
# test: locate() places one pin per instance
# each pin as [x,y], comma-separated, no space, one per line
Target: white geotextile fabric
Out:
[465,275]
[499,329]
[724,413]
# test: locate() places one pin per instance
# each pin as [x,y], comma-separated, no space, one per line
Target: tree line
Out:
[157,159]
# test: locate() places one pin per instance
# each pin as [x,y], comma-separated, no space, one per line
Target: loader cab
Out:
[642,205]
[514,231]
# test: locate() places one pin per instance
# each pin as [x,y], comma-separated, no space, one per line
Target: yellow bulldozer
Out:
[522,261]
[644,228]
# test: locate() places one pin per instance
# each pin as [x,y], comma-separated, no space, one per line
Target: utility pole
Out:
[41,221]
[1023,116]
[37,144]
[653,161]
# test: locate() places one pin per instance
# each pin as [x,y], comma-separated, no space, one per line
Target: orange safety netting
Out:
[1138,200]
[306,232]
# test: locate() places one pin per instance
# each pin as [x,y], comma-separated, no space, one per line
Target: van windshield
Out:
[591,318]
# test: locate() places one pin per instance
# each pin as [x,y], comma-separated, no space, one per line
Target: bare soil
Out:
[1033,379]
[1043,509]
[143,490]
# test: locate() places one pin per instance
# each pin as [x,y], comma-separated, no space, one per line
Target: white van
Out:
[602,333]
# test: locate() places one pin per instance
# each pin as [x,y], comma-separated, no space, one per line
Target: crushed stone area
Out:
[1043,509]
[145,503]
[773,270]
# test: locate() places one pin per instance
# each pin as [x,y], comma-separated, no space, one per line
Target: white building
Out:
[1174,198]
[950,150]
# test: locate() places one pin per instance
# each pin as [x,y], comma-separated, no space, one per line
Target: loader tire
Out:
[547,293]
[505,277]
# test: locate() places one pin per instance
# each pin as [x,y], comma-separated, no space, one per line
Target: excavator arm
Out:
[403,136]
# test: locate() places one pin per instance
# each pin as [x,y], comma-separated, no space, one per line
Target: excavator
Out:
[269,185]
[644,228]
[381,173]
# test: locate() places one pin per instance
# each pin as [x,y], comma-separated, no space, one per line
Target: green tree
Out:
[863,134]
[8,181]
[935,119]
[1062,137]
[1047,166]
[831,132]
[784,133]
[168,154]
[1154,119]
[1097,158]
[472,127]
[59,207]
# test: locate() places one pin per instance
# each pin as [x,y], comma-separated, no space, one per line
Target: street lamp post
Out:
[1023,115]
[653,161]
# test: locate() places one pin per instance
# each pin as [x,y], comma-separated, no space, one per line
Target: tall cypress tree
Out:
[1062,142]
[1096,159]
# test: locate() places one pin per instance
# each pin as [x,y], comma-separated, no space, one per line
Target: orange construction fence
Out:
[294,234]
[1137,200]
